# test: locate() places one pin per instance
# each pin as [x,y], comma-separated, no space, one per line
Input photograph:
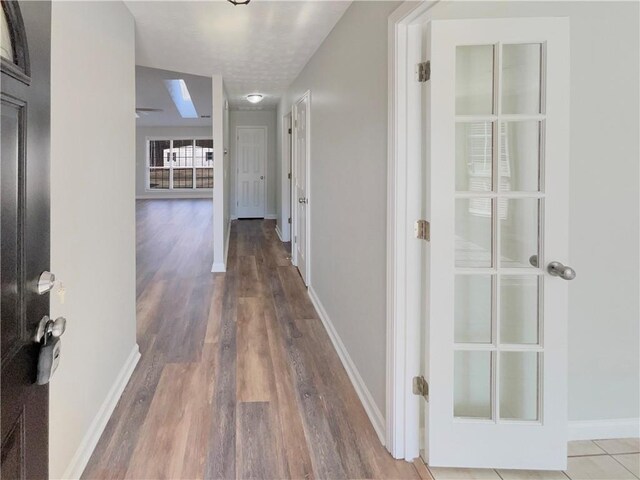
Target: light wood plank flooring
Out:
[238,378]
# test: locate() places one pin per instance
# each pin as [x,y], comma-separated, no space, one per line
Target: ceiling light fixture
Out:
[254,97]
[239,2]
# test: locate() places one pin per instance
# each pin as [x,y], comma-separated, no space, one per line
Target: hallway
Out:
[238,378]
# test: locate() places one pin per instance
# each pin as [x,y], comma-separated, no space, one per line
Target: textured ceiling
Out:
[260,47]
[151,93]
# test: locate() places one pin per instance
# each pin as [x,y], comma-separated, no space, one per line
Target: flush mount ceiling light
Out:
[254,97]
[239,2]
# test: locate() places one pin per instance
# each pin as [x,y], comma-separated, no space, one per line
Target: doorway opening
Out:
[284,227]
[301,181]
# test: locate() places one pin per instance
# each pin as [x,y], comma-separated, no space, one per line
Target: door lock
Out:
[47,326]
[46,281]
[48,336]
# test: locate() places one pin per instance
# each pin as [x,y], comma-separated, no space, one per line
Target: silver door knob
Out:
[559,270]
[46,281]
[302,200]
[261,177]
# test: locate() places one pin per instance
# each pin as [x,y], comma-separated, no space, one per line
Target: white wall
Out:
[92,220]
[141,159]
[220,171]
[347,78]
[227,173]
[256,118]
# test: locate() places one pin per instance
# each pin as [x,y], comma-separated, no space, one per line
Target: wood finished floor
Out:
[238,378]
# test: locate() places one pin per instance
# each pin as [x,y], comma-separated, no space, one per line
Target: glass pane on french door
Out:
[499,208]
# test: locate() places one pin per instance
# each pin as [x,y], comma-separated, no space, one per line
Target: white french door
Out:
[251,147]
[497,174]
[301,186]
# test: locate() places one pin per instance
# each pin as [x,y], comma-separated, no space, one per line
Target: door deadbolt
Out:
[46,281]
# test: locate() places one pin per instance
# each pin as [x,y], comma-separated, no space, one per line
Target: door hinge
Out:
[289,219]
[421,387]
[289,175]
[424,71]
[289,131]
[423,230]
[295,239]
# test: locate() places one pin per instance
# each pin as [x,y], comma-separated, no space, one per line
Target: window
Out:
[180,164]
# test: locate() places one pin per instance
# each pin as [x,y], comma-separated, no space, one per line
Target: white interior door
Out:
[251,147]
[301,186]
[497,169]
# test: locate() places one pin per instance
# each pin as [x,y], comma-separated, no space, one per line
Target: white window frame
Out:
[171,138]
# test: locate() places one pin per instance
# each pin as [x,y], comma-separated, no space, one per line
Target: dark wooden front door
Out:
[24,233]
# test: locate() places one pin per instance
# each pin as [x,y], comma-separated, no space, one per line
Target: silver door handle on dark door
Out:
[559,270]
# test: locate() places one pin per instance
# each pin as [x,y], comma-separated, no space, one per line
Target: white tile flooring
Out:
[617,459]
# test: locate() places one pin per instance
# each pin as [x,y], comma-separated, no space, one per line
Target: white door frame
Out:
[404,206]
[264,169]
[286,168]
[294,218]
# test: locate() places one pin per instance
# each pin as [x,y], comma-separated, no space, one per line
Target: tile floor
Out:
[617,459]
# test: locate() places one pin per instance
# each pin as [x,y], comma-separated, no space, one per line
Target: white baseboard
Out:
[85,449]
[374,413]
[604,429]
[219,267]
[278,233]
[226,244]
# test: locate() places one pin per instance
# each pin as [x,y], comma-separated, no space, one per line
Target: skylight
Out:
[180,95]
